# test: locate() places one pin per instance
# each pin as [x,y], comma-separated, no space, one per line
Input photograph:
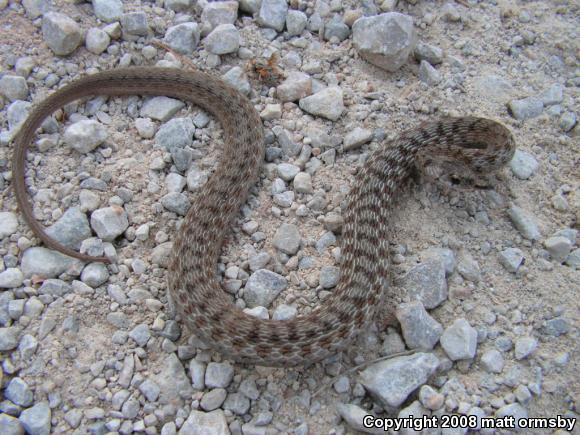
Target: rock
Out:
[327,103]
[205,423]
[385,40]
[97,40]
[13,87]
[354,417]
[559,247]
[303,183]
[428,74]
[429,53]
[11,278]
[287,172]
[573,259]
[526,108]
[47,263]
[218,375]
[329,276]
[18,392]
[71,229]
[515,410]
[10,425]
[213,399]
[172,381]
[35,8]
[511,259]
[217,13]
[145,127]
[238,79]
[493,87]
[450,13]
[525,346]
[183,38]
[263,287]
[224,39]
[161,108]
[296,86]
[420,330]
[357,138]
[284,312]
[36,420]
[237,403]
[271,111]
[140,334]
[150,390]
[8,224]
[178,5]
[553,95]
[459,340]
[85,135]
[272,14]
[9,338]
[108,10]
[524,222]
[392,381]
[430,398]
[337,29]
[523,165]
[296,22]
[61,33]
[426,282]
[109,222]
[468,268]
[134,24]
[55,287]
[176,133]
[492,361]
[287,239]
[568,121]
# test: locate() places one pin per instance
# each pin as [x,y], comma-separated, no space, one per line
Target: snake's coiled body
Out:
[475,145]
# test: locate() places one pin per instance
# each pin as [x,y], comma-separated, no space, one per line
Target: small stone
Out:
[426,282]
[573,259]
[213,399]
[287,239]
[11,278]
[284,312]
[46,263]
[296,86]
[559,247]
[259,312]
[134,24]
[523,165]
[84,136]
[429,53]
[459,340]
[36,420]
[272,14]
[450,13]
[567,121]
[150,390]
[356,138]
[18,392]
[10,425]
[140,334]
[428,74]
[263,287]
[238,79]
[109,222]
[420,330]
[511,259]
[327,103]
[61,33]
[468,268]
[430,398]
[8,224]
[515,410]
[183,38]
[108,10]
[303,183]
[525,222]
[296,22]
[71,229]
[287,172]
[95,274]
[13,87]
[337,29]
[553,95]
[526,108]
[34,8]
[525,346]
[329,277]
[385,40]
[492,361]
[97,40]
[161,108]
[9,338]
[224,39]
[217,13]
[218,375]
[199,422]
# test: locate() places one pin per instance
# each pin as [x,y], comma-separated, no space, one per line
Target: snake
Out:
[470,146]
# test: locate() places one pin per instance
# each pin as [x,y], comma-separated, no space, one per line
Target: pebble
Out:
[354,416]
[419,329]
[559,247]
[108,10]
[429,53]
[303,183]
[238,79]
[511,259]
[526,108]
[18,392]
[296,22]
[515,410]
[459,340]
[272,14]
[287,239]
[37,419]
[84,136]
[385,40]
[183,38]
[327,103]
[176,133]
[492,361]
[11,278]
[10,425]
[523,165]
[140,334]
[237,403]
[213,399]
[356,138]
[217,13]
[263,287]
[133,25]
[450,13]
[336,29]
[428,74]
[468,268]
[71,228]
[47,263]
[8,224]
[525,346]
[568,121]
[61,33]
[573,259]
[329,276]
[95,274]
[218,375]
[13,87]
[224,39]
[284,312]
[392,381]
[213,422]
[426,282]
[296,86]
[553,95]
[109,222]
[172,380]
[524,222]
[97,40]
[150,390]
[287,172]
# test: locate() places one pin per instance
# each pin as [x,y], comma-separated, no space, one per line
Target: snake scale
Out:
[475,146]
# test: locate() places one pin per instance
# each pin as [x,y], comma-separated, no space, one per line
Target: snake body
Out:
[472,145]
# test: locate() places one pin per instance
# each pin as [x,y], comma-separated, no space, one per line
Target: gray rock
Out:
[176,133]
[8,224]
[13,87]
[134,24]
[303,183]
[525,346]
[10,425]
[150,390]
[287,172]
[71,228]
[526,108]
[494,88]
[326,240]
[354,417]
[284,199]
[108,10]
[272,14]
[97,40]
[492,361]
[263,287]
[176,202]
[450,13]
[183,38]
[140,334]
[213,399]
[289,147]
[27,347]
[356,138]
[259,261]
[459,340]
[36,420]
[336,28]
[47,263]
[468,268]
[426,282]
[195,179]
[385,40]
[224,39]
[11,278]
[428,74]
[420,330]
[429,53]
[523,165]
[109,222]
[161,108]
[250,6]
[515,410]
[172,381]
[287,239]
[205,423]
[85,135]
[524,222]
[556,327]
[329,276]
[284,312]
[18,391]
[249,389]
[16,114]
[197,372]
[296,86]
[61,33]
[216,13]
[35,8]
[327,103]
[553,95]
[55,287]
[559,247]
[568,121]
[237,78]
[296,22]
[511,259]
[145,127]
[218,375]
[573,259]
[392,381]
[237,403]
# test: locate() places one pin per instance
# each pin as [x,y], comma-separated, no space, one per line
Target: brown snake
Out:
[472,146]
